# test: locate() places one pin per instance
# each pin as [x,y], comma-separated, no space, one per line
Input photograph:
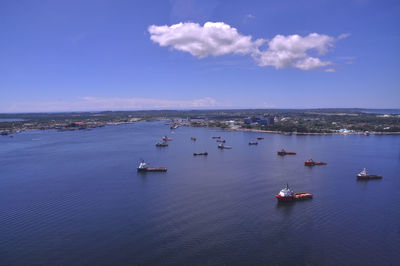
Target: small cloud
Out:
[343,36]
[267,105]
[330,70]
[350,62]
[250,16]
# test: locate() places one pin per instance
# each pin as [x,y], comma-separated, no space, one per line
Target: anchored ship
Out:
[200,153]
[253,143]
[260,138]
[310,162]
[286,194]
[161,144]
[165,138]
[363,175]
[222,146]
[144,168]
[283,152]
[192,138]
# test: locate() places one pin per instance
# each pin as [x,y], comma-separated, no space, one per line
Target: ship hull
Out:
[286,153]
[367,177]
[198,154]
[284,199]
[296,196]
[153,169]
[314,163]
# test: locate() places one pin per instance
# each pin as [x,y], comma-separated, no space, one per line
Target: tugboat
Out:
[144,168]
[200,153]
[310,162]
[260,138]
[192,138]
[165,138]
[363,175]
[286,194]
[253,143]
[161,144]
[222,146]
[221,140]
[282,152]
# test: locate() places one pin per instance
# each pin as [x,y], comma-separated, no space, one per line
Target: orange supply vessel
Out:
[165,138]
[286,194]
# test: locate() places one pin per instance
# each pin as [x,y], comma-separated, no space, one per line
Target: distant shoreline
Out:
[302,133]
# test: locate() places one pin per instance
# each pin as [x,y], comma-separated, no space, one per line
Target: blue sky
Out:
[102,55]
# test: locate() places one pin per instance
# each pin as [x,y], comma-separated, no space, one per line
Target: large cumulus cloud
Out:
[213,38]
[218,38]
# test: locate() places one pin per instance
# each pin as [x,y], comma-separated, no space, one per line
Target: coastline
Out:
[303,133]
[227,129]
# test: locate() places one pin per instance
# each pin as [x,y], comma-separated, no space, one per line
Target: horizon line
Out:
[202,109]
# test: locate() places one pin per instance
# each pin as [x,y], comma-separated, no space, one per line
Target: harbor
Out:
[233,191]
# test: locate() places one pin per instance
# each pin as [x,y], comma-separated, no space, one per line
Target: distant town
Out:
[284,121]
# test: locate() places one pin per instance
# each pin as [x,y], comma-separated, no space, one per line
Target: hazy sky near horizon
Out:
[126,55]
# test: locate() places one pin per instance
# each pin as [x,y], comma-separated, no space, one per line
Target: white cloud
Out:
[113,104]
[343,36]
[218,38]
[291,51]
[213,38]
[330,70]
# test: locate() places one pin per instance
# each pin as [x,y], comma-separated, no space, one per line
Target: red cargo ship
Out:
[165,138]
[287,194]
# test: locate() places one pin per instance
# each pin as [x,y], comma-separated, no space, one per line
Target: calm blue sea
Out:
[75,198]
[11,119]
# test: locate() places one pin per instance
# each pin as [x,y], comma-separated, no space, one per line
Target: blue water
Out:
[381,111]
[11,119]
[75,197]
